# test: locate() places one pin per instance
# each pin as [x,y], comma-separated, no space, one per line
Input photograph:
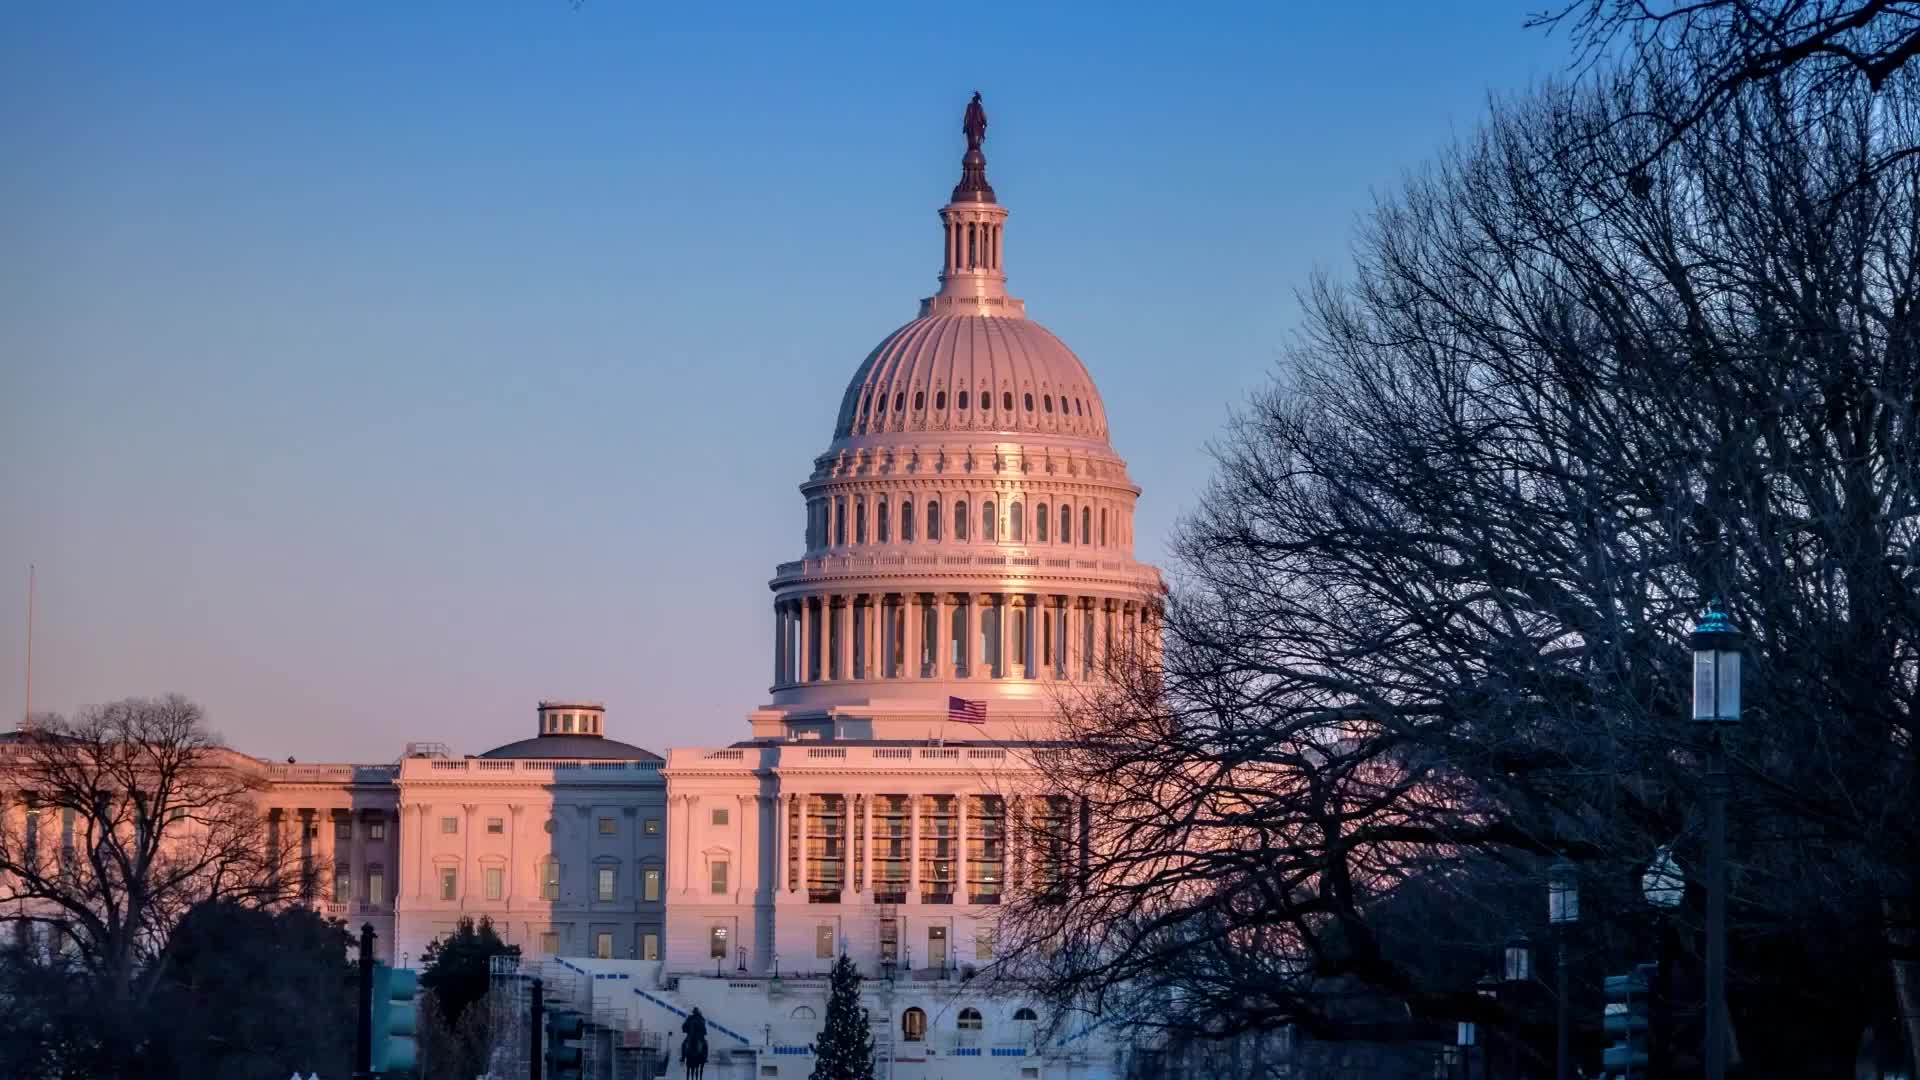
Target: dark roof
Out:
[572,746]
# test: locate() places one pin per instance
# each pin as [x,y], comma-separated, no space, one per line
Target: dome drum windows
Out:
[1016,524]
[1006,400]
[859,519]
[919,400]
[1066,524]
[963,401]
[900,402]
[933,520]
[940,400]
[987,521]
[960,520]
[1028,401]
[1040,524]
[880,523]
[906,522]
[1086,525]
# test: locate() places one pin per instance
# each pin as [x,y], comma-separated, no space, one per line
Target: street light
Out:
[1489,990]
[1664,889]
[1519,959]
[1716,704]
[1563,911]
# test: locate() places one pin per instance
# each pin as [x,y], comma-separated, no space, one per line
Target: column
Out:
[970,635]
[866,832]
[870,625]
[356,859]
[800,848]
[513,850]
[686,841]
[777,680]
[466,851]
[913,850]
[805,674]
[846,847]
[779,845]
[738,883]
[942,653]
[420,812]
[960,853]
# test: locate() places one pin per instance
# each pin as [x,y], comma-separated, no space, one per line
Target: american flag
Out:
[962,711]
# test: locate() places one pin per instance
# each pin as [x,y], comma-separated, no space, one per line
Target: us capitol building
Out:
[968,534]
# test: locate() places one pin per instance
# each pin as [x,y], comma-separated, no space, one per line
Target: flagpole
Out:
[26,713]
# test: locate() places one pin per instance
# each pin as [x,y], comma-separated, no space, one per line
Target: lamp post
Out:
[1563,911]
[1489,990]
[1716,705]
[1517,967]
[1664,889]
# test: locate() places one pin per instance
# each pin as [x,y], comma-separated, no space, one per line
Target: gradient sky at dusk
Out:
[370,371]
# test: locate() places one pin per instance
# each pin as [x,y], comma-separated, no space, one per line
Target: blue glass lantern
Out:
[1716,668]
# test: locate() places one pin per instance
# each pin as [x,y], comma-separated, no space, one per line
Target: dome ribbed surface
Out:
[914,380]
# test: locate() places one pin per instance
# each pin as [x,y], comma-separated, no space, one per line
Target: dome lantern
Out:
[973,280]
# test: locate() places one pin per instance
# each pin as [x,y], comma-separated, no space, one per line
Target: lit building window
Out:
[377,830]
[719,876]
[649,946]
[719,816]
[717,943]
[604,883]
[650,883]
[823,941]
[342,884]
[652,826]
[606,826]
[452,824]
[497,825]
[549,879]
[603,946]
[913,1026]
[550,943]
[376,885]
[495,880]
[450,882]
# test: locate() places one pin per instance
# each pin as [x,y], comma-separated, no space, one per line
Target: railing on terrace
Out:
[546,765]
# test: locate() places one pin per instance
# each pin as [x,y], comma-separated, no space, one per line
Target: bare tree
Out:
[1698,55]
[117,823]
[1428,624]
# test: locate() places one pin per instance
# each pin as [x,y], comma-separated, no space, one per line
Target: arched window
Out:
[802,1012]
[963,401]
[906,521]
[549,874]
[1086,525]
[1006,400]
[988,519]
[881,531]
[1040,524]
[933,521]
[1016,524]
[913,1026]
[919,400]
[1047,402]
[940,399]
[900,401]
[968,1020]
[1027,1016]
[960,519]
[1066,524]
[1028,401]
[880,406]
[1077,412]
[1103,526]
[839,522]
[860,520]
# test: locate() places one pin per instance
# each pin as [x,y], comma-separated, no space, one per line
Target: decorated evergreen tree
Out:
[844,1050]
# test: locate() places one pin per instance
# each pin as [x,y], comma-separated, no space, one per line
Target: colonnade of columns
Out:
[836,636]
[322,851]
[983,853]
[972,245]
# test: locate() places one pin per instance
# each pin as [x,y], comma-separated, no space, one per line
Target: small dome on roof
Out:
[572,746]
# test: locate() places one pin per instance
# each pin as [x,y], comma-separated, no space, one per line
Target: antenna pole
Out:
[26,714]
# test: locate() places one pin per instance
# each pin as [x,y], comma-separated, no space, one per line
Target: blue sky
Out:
[370,371]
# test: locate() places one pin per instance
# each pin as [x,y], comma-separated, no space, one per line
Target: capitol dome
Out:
[969,529]
[963,372]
